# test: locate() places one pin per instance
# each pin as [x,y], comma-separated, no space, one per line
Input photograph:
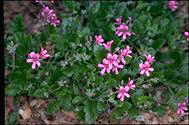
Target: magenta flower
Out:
[123,92]
[121,56]
[122,30]
[115,68]
[43,53]
[34,58]
[187,35]
[173,5]
[130,84]
[145,68]
[99,40]
[49,16]
[149,58]
[108,45]
[104,66]
[181,108]
[112,59]
[118,20]
[127,51]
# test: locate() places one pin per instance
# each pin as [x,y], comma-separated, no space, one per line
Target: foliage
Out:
[71,75]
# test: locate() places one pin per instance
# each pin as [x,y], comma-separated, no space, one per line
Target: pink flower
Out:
[181,108]
[149,58]
[130,84]
[123,92]
[122,30]
[104,66]
[99,40]
[173,5]
[121,56]
[187,35]
[49,16]
[145,68]
[115,68]
[127,51]
[108,45]
[118,20]
[112,59]
[34,58]
[43,53]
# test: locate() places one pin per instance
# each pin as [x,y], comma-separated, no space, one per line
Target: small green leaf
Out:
[13,117]
[101,106]
[90,110]
[77,100]
[84,32]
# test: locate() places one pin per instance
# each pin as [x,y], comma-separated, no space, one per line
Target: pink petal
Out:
[142,72]
[108,70]
[101,65]
[151,69]
[127,95]
[128,33]
[110,66]
[38,63]
[186,33]
[123,60]
[141,65]
[120,33]
[33,65]
[119,95]
[103,71]
[29,60]
[124,36]
[147,73]
[127,88]
[120,66]
[122,98]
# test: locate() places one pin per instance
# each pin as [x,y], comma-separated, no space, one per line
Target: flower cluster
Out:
[146,66]
[123,91]
[123,28]
[172,5]
[35,57]
[113,61]
[49,16]
[187,35]
[182,107]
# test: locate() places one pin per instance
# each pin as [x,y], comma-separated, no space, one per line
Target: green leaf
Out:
[99,52]
[68,72]
[84,32]
[90,109]
[76,89]
[54,106]
[77,100]
[160,110]
[101,106]
[13,117]
[133,112]
[39,93]
[17,24]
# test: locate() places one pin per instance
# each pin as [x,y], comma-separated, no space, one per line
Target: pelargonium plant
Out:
[117,58]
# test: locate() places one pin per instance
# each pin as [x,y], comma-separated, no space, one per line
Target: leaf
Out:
[99,52]
[77,100]
[53,106]
[68,72]
[84,32]
[101,106]
[133,112]
[17,24]
[76,89]
[39,93]
[90,109]
[13,117]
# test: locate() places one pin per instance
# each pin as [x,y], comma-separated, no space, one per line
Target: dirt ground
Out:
[32,110]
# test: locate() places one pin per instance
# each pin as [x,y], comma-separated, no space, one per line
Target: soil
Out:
[32,110]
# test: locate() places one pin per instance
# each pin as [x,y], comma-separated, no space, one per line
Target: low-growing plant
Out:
[115,57]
